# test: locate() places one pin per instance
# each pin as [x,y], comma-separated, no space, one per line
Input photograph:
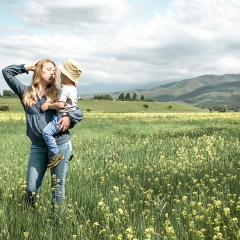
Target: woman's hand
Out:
[65,123]
[32,66]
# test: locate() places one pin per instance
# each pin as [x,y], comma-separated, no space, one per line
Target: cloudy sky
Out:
[124,40]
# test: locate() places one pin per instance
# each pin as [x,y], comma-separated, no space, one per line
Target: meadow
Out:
[134,176]
[117,106]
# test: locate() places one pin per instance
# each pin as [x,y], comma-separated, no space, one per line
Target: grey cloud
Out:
[63,15]
[66,18]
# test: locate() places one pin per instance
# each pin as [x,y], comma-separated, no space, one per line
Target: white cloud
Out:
[119,42]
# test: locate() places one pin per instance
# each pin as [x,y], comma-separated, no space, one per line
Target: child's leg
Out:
[48,132]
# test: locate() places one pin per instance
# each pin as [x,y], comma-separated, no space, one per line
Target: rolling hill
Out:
[206,90]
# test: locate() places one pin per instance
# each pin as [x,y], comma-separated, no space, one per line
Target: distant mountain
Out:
[206,90]
[105,88]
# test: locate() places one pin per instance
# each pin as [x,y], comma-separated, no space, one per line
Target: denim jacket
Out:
[36,119]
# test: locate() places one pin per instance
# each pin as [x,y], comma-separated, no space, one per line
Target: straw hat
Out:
[71,69]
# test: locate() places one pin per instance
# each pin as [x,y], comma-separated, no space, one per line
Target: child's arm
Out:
[56,106]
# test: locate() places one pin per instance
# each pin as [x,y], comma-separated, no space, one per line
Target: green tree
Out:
[105,97]
[128,97]
[134,96]
[223,108]
[142,97]
[9,93]
[121,97]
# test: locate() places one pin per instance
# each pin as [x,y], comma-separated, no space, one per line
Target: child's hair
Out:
[51,92]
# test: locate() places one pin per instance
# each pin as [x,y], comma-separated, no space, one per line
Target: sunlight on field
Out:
[6,116]
[134,176]
[165,116]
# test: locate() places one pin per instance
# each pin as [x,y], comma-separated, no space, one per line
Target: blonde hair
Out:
[51,91]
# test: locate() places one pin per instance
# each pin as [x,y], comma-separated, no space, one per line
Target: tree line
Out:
[122,97]
[8,93]
[128,97]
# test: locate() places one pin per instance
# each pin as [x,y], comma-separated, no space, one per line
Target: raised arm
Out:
[10,73]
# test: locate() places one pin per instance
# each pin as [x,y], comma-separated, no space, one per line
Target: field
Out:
[134,176]
[117,106]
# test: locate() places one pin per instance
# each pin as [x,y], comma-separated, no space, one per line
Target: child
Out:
[67,101]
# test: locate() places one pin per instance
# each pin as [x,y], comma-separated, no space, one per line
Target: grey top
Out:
[36,119]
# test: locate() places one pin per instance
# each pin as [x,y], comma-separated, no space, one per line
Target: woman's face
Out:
[48,72]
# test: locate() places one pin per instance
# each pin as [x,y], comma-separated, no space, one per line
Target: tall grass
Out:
[134,176]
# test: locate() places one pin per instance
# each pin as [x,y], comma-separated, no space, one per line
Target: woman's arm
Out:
[71,119]
[76,116]
[11,71]
[9,74]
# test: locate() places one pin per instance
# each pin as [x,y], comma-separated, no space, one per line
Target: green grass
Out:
[14,104]
[134,176]
[117,106]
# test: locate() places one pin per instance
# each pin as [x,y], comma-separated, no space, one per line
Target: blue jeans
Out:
[48,134]
[37,166]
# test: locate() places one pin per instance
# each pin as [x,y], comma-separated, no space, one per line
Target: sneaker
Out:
[55,160]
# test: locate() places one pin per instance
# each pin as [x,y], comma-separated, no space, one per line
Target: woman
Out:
[43,88]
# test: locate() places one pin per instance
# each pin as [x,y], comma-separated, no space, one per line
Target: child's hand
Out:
[45,106]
